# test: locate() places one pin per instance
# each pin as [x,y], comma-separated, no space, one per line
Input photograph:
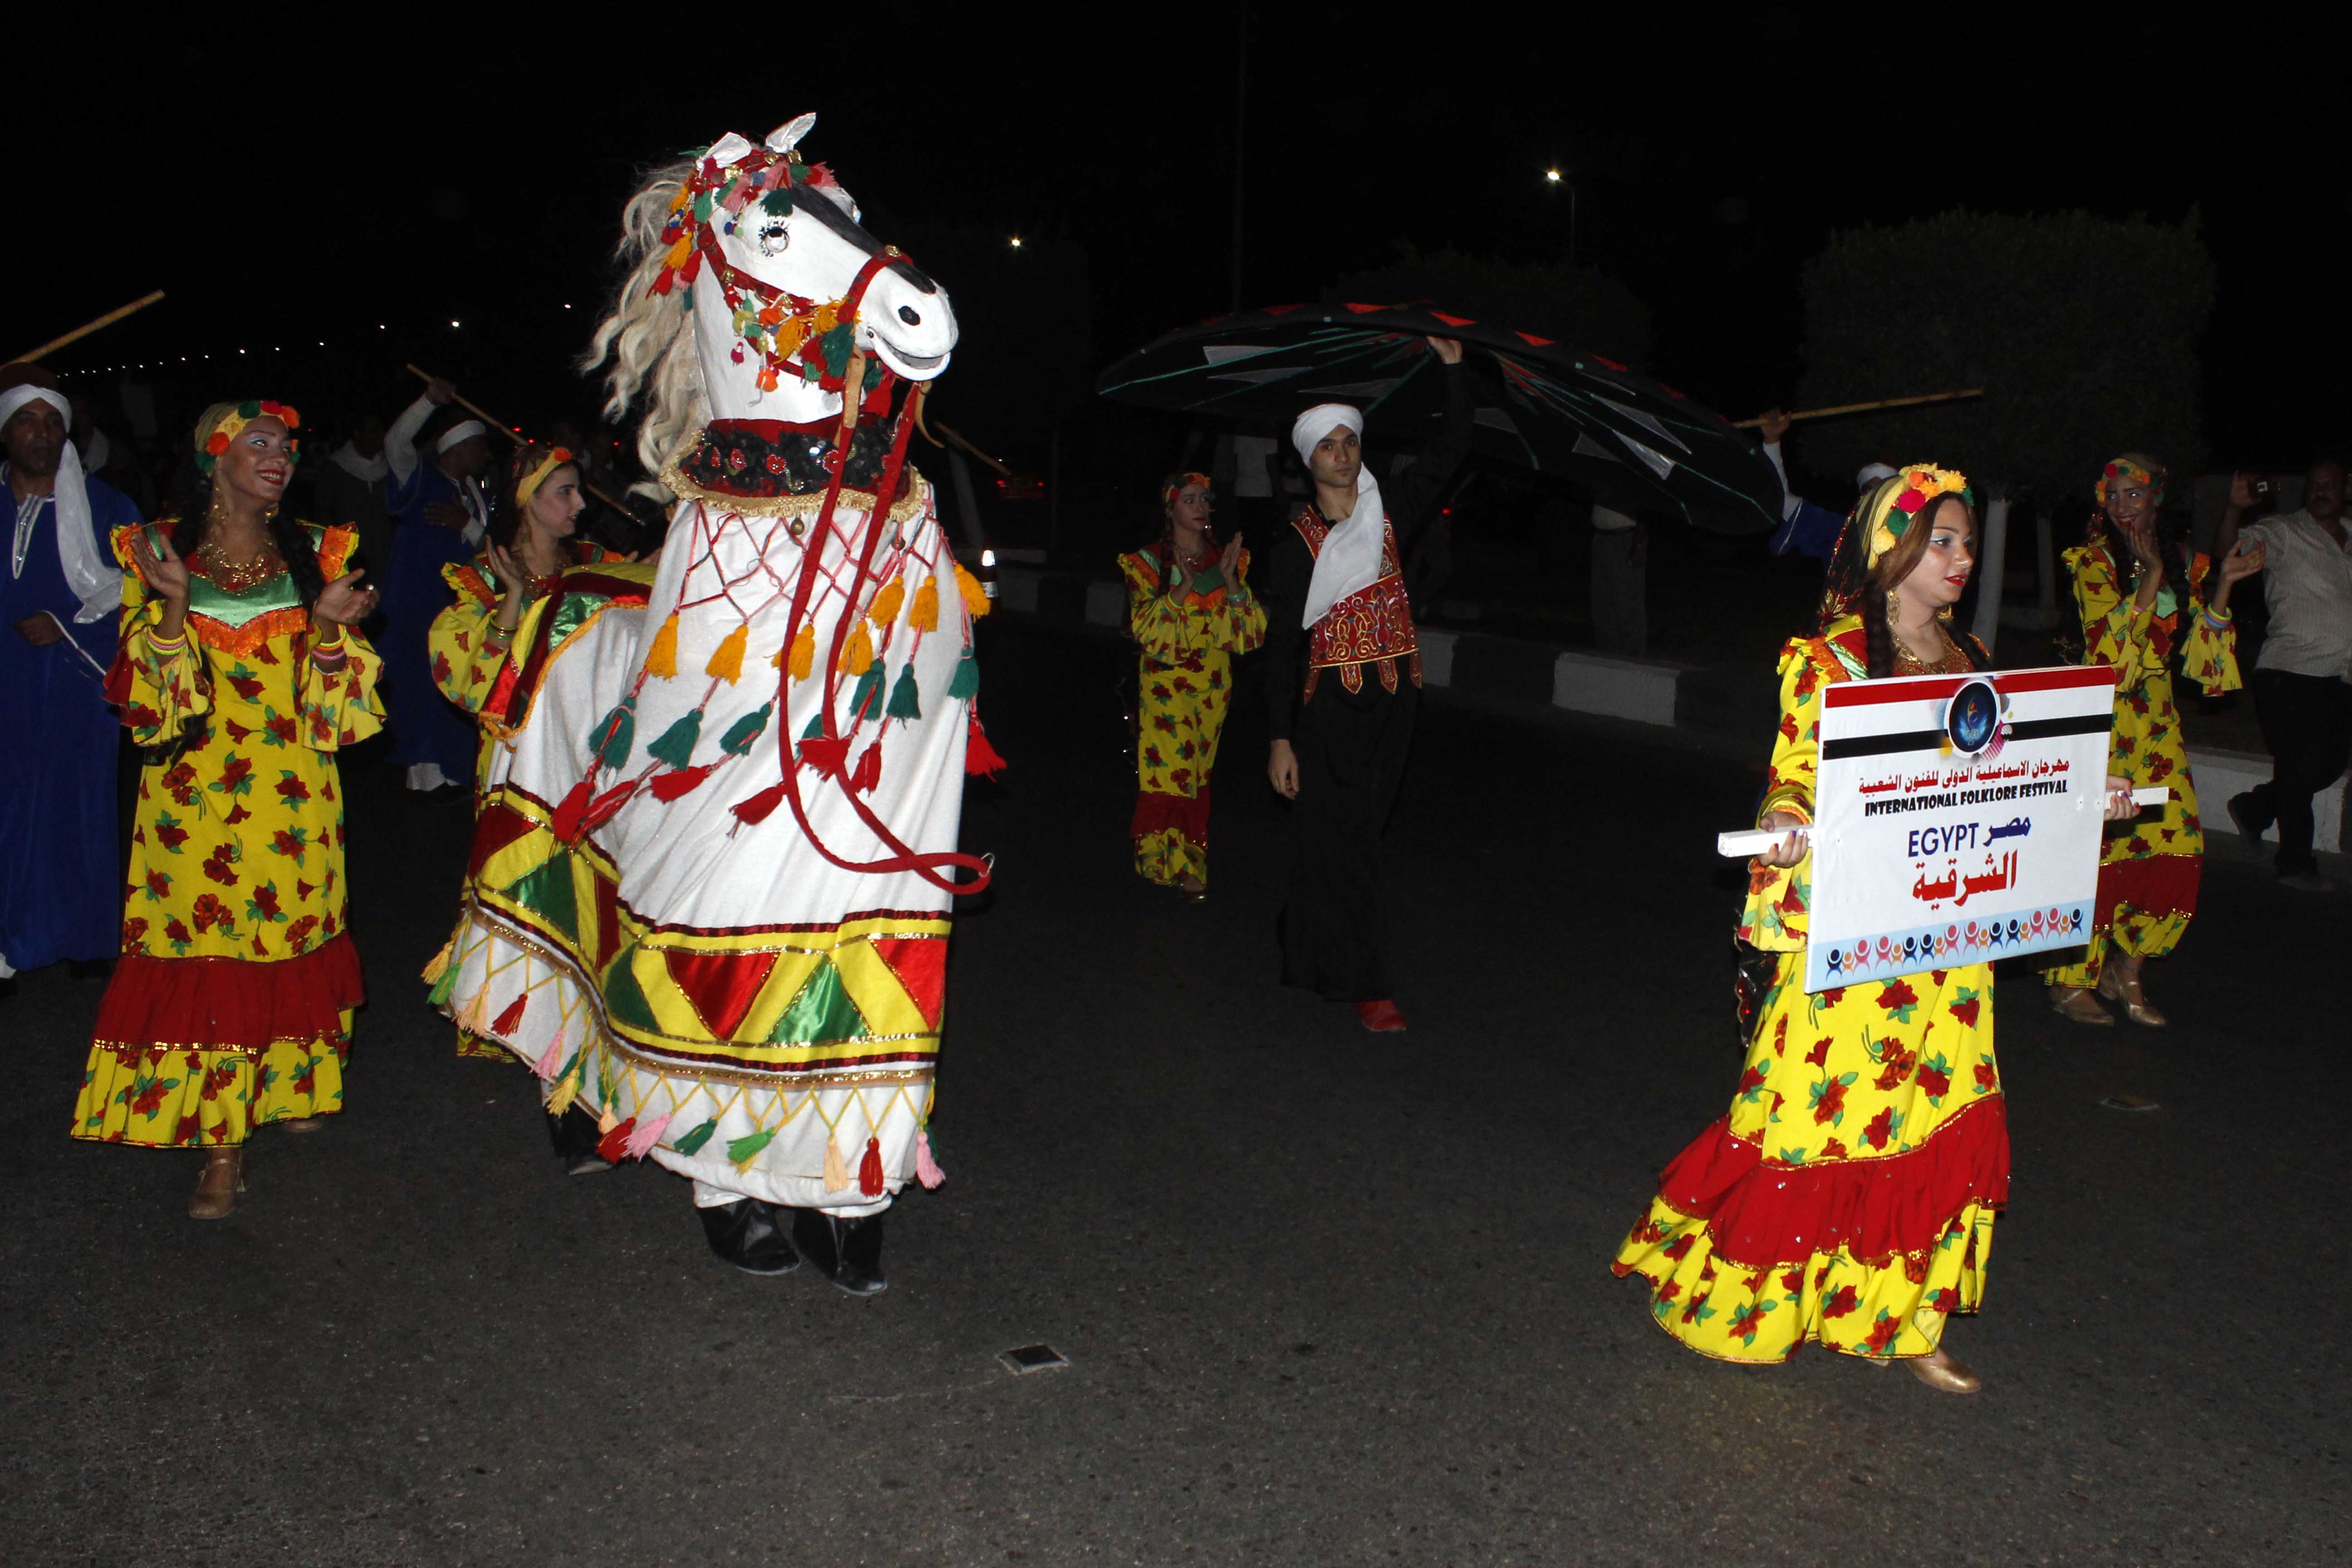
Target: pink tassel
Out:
[551,1060]
[646,1135]
[927,1170]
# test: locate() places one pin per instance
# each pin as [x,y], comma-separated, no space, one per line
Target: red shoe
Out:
[1381,1017]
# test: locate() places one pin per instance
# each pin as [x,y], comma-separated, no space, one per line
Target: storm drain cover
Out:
[1025,1359]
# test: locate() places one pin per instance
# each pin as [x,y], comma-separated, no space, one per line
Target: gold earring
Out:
[216,509]
[1945,614]
[1894,607]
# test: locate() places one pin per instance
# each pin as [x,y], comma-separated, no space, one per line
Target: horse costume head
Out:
[788,299]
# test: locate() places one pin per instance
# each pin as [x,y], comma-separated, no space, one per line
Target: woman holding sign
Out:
[2147,873]
[1848,1195]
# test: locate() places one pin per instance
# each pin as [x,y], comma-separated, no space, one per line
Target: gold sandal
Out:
[2074,1002]
[223,1179]
[2115,986]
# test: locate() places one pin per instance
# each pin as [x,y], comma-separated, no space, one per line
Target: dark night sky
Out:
[311,186]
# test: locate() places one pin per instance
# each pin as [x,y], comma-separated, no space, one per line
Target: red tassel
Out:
[979,756]
[670,785]
[600,811]
[757,808]
[869,770]
[613,1147]
[567,814]
[869,1168]
[826,753]
[504,1023]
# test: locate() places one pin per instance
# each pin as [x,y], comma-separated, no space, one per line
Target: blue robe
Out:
[60,863]
[426,727]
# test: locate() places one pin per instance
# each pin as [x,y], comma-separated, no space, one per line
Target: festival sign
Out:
[1956,819]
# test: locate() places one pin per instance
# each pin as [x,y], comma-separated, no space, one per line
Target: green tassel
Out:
[966,684]
[742,1149]
[904,704]
[441,988]
[744,731]
[816,726]
[616,734]
[677,745]
[867,702]
[693,1141]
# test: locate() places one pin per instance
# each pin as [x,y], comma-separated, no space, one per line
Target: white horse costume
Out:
[712,882]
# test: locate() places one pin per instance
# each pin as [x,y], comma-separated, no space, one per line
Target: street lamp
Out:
[1554,178]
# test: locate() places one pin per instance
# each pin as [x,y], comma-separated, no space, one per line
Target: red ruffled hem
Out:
[228,1004]
[2151,884]
[1188,815]
[1764,1215]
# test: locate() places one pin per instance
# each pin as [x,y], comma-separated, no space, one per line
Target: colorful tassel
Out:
[671,786]
[550,1059]
[975,597]
[828,755]
[836,1170]
[925,617]
[693,1141]
[615,734]
[600,810]
[743,1151]
[614,1146]
[869,770]
[885,607]
[569,811]
[904,701]
[756,809]
[965,685]
[439,966]
[816,726]
[866,701]
[804,652]
[662,657]
[606,1120]
[504,1023]
[979,756]
[859,657]
[869,1168]
[927,1169]
[677,745]
[647,1134]
[567,1088]
[727,664]
[746,730]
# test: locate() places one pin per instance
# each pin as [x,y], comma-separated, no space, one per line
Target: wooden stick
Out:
[950,431]
[1866,407]
[87,328]
[495,423]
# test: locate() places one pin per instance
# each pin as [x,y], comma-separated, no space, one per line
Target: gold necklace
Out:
[236,576]
[1907,662]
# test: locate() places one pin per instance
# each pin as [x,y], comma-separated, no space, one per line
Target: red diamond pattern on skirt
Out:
[921,963]
[721,985]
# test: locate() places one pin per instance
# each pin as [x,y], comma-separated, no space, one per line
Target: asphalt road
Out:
[1326,1297]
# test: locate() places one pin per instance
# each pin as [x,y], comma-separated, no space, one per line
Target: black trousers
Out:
[2308,724]
[1351,749]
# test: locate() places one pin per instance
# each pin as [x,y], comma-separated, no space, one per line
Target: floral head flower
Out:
[220,424]
[1889,508]
[2132,468]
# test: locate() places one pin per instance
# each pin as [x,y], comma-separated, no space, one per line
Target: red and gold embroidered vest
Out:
[1370,626]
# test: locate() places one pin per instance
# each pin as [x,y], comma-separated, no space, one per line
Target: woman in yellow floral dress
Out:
[2148,870]
[241,672]
[1190,606]
[1848,1195]
[531,542]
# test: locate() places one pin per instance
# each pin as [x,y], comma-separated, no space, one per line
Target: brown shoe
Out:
[2117,984]
[216,1189]
[2074,1002]
[1945,1372]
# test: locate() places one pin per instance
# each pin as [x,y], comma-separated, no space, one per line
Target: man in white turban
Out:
[1343,673]
[60,870]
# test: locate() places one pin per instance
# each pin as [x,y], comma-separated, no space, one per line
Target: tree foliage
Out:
[1579,305]
[2083,331]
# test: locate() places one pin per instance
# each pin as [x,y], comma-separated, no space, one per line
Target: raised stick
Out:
[1866,407]
[953,435]
[108,320]
[495,423]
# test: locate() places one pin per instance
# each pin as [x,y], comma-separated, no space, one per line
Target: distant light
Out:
[379,326]
[453,324]
[1552,176]
[241,350]
[1016,242]
[988,557]
[567,307]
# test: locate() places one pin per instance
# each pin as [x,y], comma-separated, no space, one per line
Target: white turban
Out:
[97,587]
[1870,474]
[1349,560]
[463,431]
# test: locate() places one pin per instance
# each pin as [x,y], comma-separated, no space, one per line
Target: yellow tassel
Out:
[885,608]
[926,615]
[975,597]
[679,252]
[804,652]
[727,664]
[566,1091]
[836,1170]
[440,964]
[607,1121]
[859,657]
[475,1016]
[663,659]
